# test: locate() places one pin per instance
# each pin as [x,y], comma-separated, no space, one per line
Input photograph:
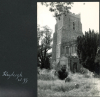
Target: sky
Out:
[89,15]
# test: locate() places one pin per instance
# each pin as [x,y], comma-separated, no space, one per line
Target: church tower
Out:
[67,29]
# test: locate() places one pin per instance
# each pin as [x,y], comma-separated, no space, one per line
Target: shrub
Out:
[83,70]
[86,76]
[62,74]
[95,75]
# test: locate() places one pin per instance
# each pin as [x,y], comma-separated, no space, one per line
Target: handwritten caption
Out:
[18,77]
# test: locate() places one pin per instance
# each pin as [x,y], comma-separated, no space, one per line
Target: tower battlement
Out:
[75,15]
[59,17]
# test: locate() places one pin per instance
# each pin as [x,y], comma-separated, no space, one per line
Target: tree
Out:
[58,7]
[97,61]
[86,49]
[38,46]
[44,44]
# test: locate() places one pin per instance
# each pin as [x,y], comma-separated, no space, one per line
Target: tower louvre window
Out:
[73,26]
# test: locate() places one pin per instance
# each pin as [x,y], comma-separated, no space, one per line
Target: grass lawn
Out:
[79,85]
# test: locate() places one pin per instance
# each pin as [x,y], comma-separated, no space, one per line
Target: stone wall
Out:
[54,44]
[67,29]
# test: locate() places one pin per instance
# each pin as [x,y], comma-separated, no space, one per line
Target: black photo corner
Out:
[18,48]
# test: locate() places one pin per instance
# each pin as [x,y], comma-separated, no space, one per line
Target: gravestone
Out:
[64,62]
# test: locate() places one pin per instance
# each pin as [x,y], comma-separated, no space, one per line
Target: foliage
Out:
[83,70]
[87,48]
[62,73]
[97,59]
[44,44]
[58,7]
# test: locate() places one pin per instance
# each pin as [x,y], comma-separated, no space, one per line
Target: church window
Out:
[73,26]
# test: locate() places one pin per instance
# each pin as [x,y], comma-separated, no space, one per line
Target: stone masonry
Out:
[68,27]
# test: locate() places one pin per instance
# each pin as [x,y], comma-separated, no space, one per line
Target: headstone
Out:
[64,61]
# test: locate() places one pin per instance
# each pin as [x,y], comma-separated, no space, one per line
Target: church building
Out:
[68,27]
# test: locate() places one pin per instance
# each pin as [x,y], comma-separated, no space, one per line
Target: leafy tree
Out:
[86,49]
[58,7]
[38,46]
[97,61]
[44,44]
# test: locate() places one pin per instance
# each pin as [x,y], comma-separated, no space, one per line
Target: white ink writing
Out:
[19,77]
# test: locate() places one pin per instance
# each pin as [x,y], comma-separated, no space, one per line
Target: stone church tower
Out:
[68,27]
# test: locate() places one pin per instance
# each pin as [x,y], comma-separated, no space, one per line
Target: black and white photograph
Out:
[68,49]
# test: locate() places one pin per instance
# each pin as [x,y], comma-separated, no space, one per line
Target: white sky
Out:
[89,15]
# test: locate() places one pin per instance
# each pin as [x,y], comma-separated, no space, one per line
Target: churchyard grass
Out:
[79,85]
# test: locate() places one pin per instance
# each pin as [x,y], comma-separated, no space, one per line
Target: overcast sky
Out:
[89,15]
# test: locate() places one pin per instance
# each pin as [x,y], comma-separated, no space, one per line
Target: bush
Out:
[86,76]
[83,70]
[95,75]
[62,74]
